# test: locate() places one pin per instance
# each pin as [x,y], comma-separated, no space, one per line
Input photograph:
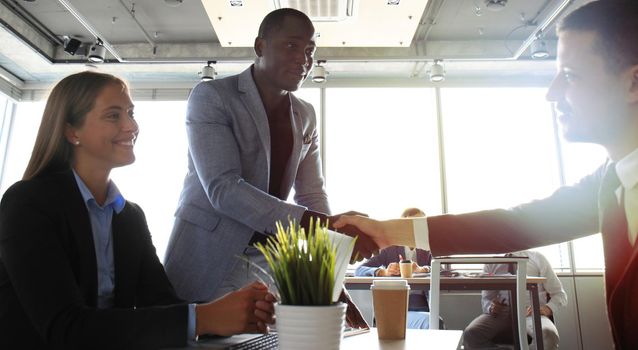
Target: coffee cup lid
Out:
[390,284]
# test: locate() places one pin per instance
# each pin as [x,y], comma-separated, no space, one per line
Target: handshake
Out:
[372,235]
[365,246]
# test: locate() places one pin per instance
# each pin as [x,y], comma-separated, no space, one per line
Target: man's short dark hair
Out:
[615,22]
[274,20]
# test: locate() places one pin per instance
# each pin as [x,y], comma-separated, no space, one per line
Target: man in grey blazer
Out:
[250,141]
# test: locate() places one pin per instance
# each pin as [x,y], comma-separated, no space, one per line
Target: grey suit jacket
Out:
[225,196]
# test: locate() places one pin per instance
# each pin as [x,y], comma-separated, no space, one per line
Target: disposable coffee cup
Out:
[390,299]
[406,268]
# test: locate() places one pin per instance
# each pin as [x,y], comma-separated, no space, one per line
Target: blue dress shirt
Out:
[100,217]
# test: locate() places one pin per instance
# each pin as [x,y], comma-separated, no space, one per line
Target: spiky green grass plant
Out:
[303,265]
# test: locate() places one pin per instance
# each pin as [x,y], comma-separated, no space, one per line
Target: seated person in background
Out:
[78,269]
[496,321]
[386,263]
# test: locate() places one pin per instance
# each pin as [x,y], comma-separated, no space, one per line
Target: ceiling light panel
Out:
[372,23]
[320,10]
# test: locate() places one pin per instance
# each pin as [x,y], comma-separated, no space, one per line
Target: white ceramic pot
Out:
[310,327]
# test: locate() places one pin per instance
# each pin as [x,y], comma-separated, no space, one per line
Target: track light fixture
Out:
[538,48]
[319,72]
[208,71]
[437,72]
[97,52]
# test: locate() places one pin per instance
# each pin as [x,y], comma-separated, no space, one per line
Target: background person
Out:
[386,263]
[496,320]
[77,265]
[596,98]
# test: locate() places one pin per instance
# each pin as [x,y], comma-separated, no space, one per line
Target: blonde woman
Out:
[77,265]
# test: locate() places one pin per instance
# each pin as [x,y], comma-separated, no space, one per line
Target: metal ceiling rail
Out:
[88,26]
[541,27]
[139,25]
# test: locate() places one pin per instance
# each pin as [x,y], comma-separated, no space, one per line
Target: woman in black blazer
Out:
[54,291]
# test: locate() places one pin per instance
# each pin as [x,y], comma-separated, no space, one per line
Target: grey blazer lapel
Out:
[249,95]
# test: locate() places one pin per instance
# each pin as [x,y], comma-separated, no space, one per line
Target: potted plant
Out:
[303,269]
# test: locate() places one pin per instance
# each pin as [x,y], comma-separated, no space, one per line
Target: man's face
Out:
[286,56]
[589,97]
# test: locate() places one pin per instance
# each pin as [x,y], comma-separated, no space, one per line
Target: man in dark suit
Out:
[596,98]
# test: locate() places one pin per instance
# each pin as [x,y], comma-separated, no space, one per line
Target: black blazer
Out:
[48,275]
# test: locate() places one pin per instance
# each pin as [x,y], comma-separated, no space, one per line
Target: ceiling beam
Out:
[490,50]
[26,32]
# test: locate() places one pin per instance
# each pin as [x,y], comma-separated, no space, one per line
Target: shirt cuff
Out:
[421,233]
[191,323]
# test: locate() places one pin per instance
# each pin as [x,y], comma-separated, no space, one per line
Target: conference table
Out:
[472,282]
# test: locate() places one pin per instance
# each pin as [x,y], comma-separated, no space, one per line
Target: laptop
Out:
[254,341]
[237,342]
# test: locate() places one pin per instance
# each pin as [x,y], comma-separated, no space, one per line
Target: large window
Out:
[382,150]
[23,132]
[500,151]
[499,147]
[382,155]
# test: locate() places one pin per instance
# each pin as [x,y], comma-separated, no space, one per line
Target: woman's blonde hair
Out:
[69,102]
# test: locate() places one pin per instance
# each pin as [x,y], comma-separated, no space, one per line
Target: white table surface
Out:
[414,339]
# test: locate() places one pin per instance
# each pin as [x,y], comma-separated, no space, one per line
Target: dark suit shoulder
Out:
[42,188]
[131,215]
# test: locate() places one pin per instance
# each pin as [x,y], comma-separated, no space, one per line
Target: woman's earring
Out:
[77,142]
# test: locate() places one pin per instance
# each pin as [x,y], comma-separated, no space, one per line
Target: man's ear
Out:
[632,96]
[259,46]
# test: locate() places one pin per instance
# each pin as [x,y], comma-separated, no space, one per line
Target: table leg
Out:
[514,316]
[536,315]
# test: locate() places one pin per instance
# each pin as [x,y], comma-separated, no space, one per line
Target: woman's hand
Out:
[248,310]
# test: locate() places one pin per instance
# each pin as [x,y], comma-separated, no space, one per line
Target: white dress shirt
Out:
[537,265]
